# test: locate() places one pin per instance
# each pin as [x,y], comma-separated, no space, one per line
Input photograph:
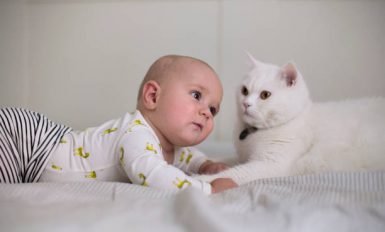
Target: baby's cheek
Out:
[210,127]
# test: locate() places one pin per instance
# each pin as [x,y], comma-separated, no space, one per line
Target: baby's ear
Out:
[289,73]
[150,94]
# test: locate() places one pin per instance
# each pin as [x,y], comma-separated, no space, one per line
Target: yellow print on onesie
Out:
[143,178]
[135,123]
[55,167]
[150,147]
[179,183]
[91,175]
[121,157]
[182,156]
[109,131]
[189,156]
[79,152]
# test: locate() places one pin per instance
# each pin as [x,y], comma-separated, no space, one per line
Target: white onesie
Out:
[126,150]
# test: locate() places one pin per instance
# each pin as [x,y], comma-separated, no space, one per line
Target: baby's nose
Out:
[205,112]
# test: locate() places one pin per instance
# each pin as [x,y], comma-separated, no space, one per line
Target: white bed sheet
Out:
[324,202]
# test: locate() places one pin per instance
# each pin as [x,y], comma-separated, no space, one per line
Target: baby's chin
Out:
[191,141]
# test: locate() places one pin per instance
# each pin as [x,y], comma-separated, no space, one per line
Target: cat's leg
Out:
[250,171]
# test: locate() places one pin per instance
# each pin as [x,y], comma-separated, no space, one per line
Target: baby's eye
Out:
[213,111]
[196,94]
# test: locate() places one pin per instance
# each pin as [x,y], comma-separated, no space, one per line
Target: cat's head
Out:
[270,96]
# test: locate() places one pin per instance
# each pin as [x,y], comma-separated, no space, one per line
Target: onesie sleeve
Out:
[141,158]
[189,159]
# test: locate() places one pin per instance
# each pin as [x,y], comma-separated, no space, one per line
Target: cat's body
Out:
[291,135]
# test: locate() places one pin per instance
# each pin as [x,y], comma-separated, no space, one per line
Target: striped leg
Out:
[27,139]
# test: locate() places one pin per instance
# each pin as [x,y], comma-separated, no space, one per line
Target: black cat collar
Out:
[246,132]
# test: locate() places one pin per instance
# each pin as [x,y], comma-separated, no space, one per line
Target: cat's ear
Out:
[289,73]
[252,61]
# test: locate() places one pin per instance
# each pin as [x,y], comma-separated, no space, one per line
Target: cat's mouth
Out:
[246,112]
[247,115]
[251,120]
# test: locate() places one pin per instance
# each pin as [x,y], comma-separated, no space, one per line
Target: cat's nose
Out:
[246,105]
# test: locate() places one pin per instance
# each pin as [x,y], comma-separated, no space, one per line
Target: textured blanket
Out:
[324,202]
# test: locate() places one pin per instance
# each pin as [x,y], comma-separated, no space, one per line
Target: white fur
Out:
[296,136]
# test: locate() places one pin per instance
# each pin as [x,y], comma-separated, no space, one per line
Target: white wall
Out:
[339,46]
[13,57]
[80,62]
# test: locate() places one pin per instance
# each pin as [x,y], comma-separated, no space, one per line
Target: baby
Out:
[177,101]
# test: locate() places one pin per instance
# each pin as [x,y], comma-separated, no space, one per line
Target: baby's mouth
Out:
[200,126]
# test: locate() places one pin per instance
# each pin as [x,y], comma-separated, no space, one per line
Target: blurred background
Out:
[80,62]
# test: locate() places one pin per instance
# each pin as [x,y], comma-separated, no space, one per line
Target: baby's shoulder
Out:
[137,130]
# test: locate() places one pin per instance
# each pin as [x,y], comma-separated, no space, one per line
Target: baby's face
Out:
[187,104]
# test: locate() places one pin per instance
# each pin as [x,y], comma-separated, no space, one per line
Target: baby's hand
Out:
[210,167]
[222,184]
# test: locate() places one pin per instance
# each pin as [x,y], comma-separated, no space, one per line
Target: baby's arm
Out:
[193,161]
[222,184]
[210,167]
[142,160]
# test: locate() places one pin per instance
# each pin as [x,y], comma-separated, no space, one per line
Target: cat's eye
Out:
[265,94]
[244,91]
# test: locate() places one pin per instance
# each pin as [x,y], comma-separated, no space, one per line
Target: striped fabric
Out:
[27,140]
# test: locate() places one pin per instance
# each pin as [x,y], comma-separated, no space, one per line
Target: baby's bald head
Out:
[161,69]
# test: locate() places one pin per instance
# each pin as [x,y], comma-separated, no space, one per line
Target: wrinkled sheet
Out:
[323,202]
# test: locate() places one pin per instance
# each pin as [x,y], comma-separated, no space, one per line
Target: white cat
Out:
[280,132]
